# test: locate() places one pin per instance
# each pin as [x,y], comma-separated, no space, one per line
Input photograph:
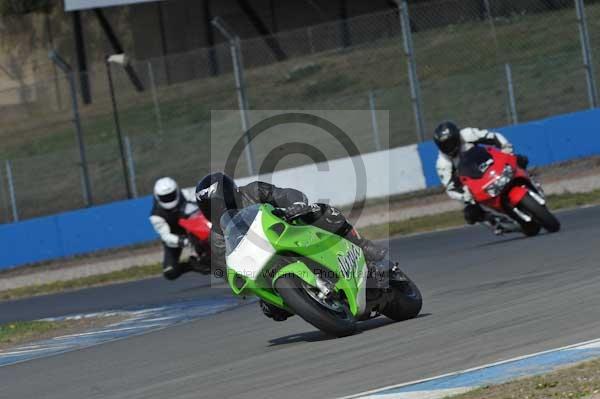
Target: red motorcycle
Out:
[198,231]
[496,182]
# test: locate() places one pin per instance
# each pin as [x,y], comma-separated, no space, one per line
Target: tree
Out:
[20,7]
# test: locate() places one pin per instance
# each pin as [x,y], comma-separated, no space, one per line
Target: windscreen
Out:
[474,162]
[235,225]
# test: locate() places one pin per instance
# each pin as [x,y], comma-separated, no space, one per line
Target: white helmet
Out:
[166,193]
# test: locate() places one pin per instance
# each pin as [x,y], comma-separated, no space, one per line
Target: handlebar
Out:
[280,213]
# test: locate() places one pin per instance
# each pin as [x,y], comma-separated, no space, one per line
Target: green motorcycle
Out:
[310,272]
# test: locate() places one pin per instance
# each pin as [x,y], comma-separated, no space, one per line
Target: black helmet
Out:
[447,138]
[215,194]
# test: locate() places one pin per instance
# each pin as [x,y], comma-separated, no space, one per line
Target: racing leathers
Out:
[320,215]
[172,235]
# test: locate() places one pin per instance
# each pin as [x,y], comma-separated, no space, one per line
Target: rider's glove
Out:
[299,209]
[183,242]
[522,161]
[467,196]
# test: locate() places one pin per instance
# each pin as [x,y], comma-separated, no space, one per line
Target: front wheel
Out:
[407,301]
[332,318]
[540,214]
[530,229]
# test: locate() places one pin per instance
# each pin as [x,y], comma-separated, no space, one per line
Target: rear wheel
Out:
[407,302]
[540,214]
[333,318]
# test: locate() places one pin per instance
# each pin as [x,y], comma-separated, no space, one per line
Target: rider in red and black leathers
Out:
[217,193]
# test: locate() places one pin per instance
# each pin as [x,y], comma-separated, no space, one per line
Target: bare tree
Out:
[17,42]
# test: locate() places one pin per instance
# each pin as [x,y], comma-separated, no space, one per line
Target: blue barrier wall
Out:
[546,141]
[87,230]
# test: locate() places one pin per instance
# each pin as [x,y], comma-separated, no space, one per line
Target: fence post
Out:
[240,85]
[11,191]
[85,177]
[131,166]
[415,90]
[310,39]
[155,98]
[587,53]
[511,94]
[374,124]
[243,100]
[115,111]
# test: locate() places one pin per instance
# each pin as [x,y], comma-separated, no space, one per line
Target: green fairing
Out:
[311,243]
[299,269]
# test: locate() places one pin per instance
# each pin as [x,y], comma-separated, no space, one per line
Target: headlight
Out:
[495,188]
[508,172]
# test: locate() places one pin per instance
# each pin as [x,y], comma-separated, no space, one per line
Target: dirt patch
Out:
[19,333]
[579,381]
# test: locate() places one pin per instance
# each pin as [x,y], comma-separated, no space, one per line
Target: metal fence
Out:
[483,63]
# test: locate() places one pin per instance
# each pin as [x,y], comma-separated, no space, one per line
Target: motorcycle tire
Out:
[531,229]
[407,302]
[540,214]
[291,289]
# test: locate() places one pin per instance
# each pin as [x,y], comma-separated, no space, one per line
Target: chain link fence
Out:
[485,63]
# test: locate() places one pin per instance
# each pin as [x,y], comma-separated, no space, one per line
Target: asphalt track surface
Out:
[486,299]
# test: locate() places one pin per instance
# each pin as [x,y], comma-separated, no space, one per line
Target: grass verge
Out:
[132,273]
[419,224]
[579,381]
[21,332]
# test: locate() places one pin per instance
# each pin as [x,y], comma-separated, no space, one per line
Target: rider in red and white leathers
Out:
[452,141]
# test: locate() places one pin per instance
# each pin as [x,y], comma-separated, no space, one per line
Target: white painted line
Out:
[139,327]
[85,316]
[161,318]
[590,345]
[27,347]
[145,311]
[582,345]
[20,352]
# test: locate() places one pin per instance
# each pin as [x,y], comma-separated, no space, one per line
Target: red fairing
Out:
[477,187]
[197,225]
[516,194]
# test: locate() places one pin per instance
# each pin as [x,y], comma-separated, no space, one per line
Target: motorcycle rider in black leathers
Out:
[216,193]
[452,142]
[169,205]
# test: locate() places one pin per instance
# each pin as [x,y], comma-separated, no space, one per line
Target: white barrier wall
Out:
[74,5]
[335,182]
